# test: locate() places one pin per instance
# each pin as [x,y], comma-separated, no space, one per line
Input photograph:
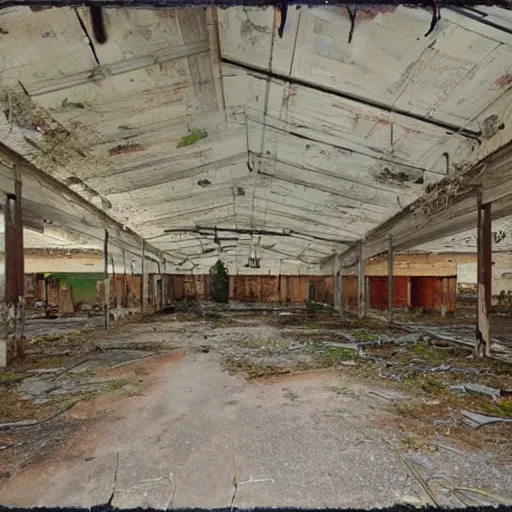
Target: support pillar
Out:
[144,280]
[341,279]
[335,284]
[13,310]
[125,282]
[367,295]
[106,282]
[361,284]
[390,280]
[483,336]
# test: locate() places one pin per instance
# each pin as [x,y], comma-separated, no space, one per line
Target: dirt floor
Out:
[213,408]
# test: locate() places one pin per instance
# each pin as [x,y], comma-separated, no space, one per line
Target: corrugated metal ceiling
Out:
[202,117]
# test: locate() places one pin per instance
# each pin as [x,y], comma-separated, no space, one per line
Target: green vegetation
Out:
[187,306]
[7,378]
[329,356]
[362,335]
[114,385]
[428,353]
[193,137]
[220,282]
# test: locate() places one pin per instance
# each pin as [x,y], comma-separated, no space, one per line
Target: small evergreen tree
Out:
[220,282]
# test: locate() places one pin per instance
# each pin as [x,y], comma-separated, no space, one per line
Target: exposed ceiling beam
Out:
[212,231]
[123,234]
[506,4]
[255,70]
[448,209]
[478,16]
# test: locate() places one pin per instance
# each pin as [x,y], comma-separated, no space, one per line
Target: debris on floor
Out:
[430,400]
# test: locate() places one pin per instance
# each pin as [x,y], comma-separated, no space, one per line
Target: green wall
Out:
[83,286]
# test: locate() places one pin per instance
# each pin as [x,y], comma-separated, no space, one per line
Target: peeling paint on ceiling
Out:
[206,117]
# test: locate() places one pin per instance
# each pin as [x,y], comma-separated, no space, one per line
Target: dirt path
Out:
[312,439]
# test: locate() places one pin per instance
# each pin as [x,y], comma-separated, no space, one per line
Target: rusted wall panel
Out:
[430,293]
[125,291]
[270,288]
[59,294]
[379,292]
[250,288]
[350,291]
[189,288]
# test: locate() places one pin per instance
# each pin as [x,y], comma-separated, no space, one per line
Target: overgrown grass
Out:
[188,306]
[363,335]
[251,369]
[114,385]
[330,356]
[428,353]
[8,378]
[52,362]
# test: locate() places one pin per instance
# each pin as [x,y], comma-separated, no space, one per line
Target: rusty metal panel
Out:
[350,291]
[133,292]
[269,289]
[430,293]
[189,288]
[178,282]
[379,292]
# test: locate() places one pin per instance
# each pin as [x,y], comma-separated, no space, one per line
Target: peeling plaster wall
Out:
[501,273]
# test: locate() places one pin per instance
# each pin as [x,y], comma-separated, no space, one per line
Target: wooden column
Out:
[13,311]
[483,336]
[143,279]
[390,279]
[341,279]
[125,282]
[335,284]
[106,282]
[361,285]
[367,294]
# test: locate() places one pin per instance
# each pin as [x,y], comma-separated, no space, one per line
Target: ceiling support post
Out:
[144,279]
[390,279]
[106,282]
[125,282]
[361,282]
[13,310]
[341,288]
[483,336]
[335,284]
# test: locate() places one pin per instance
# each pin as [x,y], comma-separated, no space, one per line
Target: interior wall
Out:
[420,265]
[379,292]
[256,288]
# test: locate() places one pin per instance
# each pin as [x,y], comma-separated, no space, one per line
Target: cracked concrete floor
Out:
[311,439]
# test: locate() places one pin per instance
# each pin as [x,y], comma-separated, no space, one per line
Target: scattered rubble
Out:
[477,420]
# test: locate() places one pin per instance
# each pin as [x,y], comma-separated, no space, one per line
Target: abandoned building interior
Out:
[255,256]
